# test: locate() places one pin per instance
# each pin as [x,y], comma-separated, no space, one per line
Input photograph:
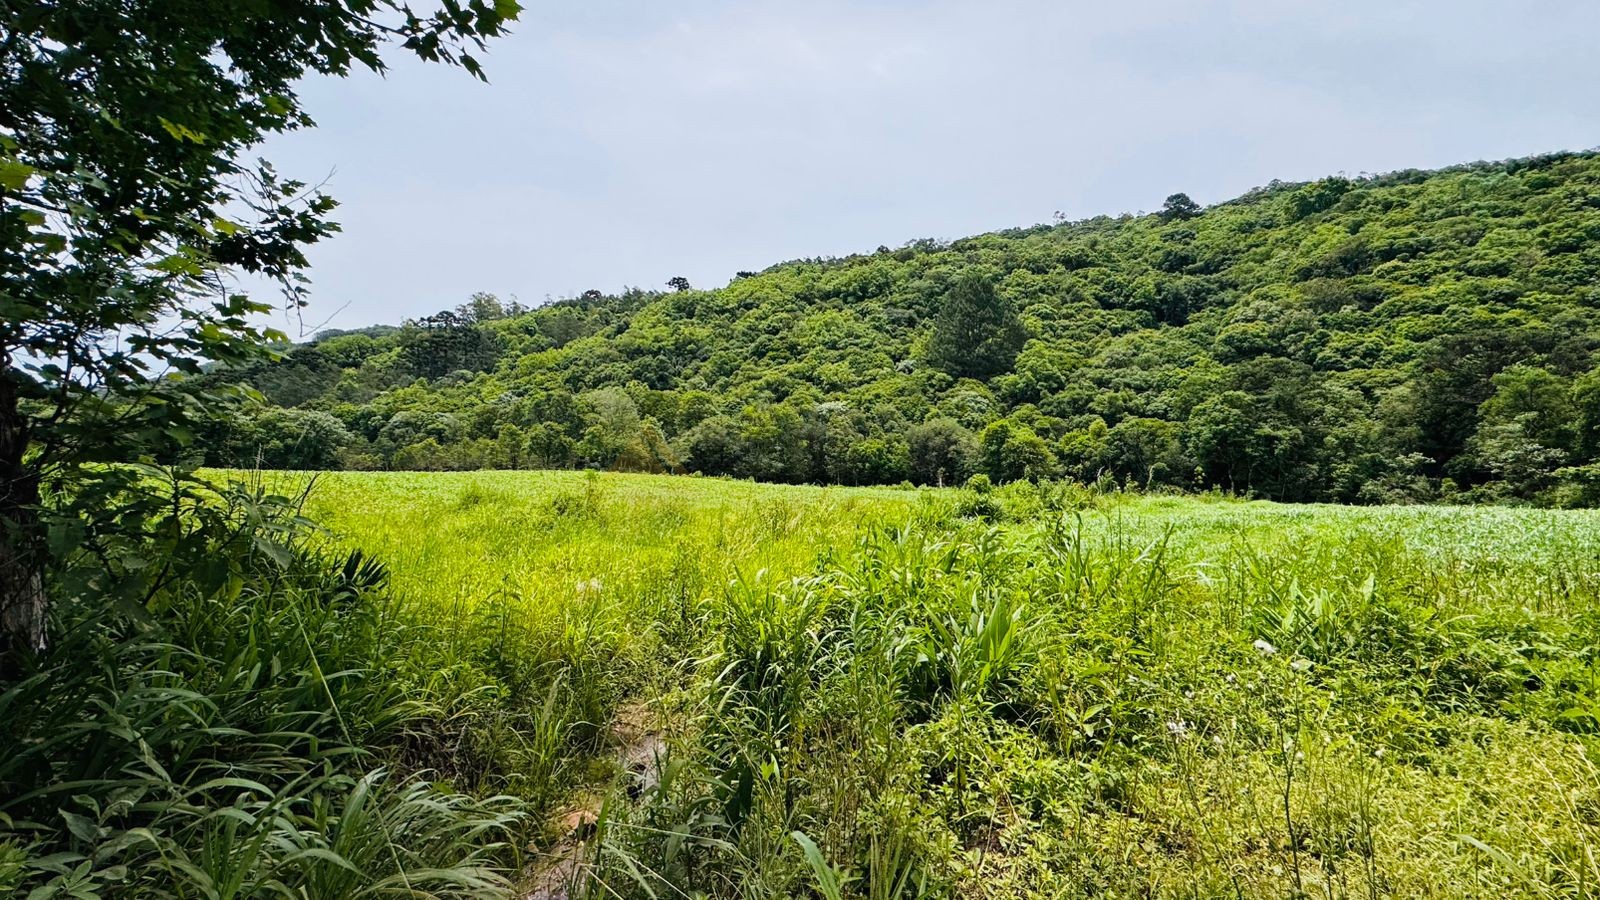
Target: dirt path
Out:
[636,744]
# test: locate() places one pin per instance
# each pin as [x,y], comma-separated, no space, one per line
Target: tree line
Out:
[1405,337]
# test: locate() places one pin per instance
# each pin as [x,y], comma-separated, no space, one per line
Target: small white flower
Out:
[1188,695]
[1216,739]
[1300,665]
[1229,678]
[1178,728]
[1264,648]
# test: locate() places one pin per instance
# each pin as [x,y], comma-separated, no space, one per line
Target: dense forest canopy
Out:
[1402,337]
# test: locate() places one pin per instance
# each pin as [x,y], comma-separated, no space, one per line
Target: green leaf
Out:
[325,855]
[52,243]
[82,827]
[181,132]
[829,881]
[14,175]
[274,550]
[1493,853]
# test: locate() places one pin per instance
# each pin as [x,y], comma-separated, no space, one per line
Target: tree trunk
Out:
[22,599]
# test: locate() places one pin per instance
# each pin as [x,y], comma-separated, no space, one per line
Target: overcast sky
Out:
[622,143]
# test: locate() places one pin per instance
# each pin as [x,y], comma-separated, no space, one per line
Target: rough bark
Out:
[22,597]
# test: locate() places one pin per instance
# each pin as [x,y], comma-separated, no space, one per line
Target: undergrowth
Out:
[1059,690]
[1028,691]
[256,725]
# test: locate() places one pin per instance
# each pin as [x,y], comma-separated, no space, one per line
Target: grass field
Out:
[1041,693]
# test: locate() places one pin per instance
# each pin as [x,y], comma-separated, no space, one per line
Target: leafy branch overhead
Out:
[129,204]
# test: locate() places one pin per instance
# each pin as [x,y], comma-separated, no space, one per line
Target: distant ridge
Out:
[1404,336]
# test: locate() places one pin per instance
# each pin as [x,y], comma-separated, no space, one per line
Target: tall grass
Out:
[228,737]
[1029,692]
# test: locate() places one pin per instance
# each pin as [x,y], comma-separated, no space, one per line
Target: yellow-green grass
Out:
[1201,696]
[456,538]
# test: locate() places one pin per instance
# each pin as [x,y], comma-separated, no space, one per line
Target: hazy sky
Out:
[622,143]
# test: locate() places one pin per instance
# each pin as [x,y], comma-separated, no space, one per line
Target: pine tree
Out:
[977,333]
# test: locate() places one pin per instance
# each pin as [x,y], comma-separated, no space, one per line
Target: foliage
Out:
[127,203]
[941,451]
[235,728]
[224,708]
[1352,340]
[1178,207]
[976,333]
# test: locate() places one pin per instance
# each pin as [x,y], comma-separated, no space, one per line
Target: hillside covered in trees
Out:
[1404,337]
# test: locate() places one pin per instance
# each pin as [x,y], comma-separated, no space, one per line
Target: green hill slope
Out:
[1395,337]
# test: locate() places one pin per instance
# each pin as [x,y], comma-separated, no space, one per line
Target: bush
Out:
[978,500]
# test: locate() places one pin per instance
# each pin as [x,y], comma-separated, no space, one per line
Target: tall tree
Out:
[942,452]
[1179,207]
[127,199]
[977,333]
[1538,398]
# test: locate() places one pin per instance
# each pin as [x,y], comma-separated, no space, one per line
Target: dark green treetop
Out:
[977,333]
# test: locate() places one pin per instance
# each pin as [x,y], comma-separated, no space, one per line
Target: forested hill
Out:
[1408,336]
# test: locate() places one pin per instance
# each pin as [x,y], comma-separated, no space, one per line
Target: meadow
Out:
[224,677]
[718,688]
